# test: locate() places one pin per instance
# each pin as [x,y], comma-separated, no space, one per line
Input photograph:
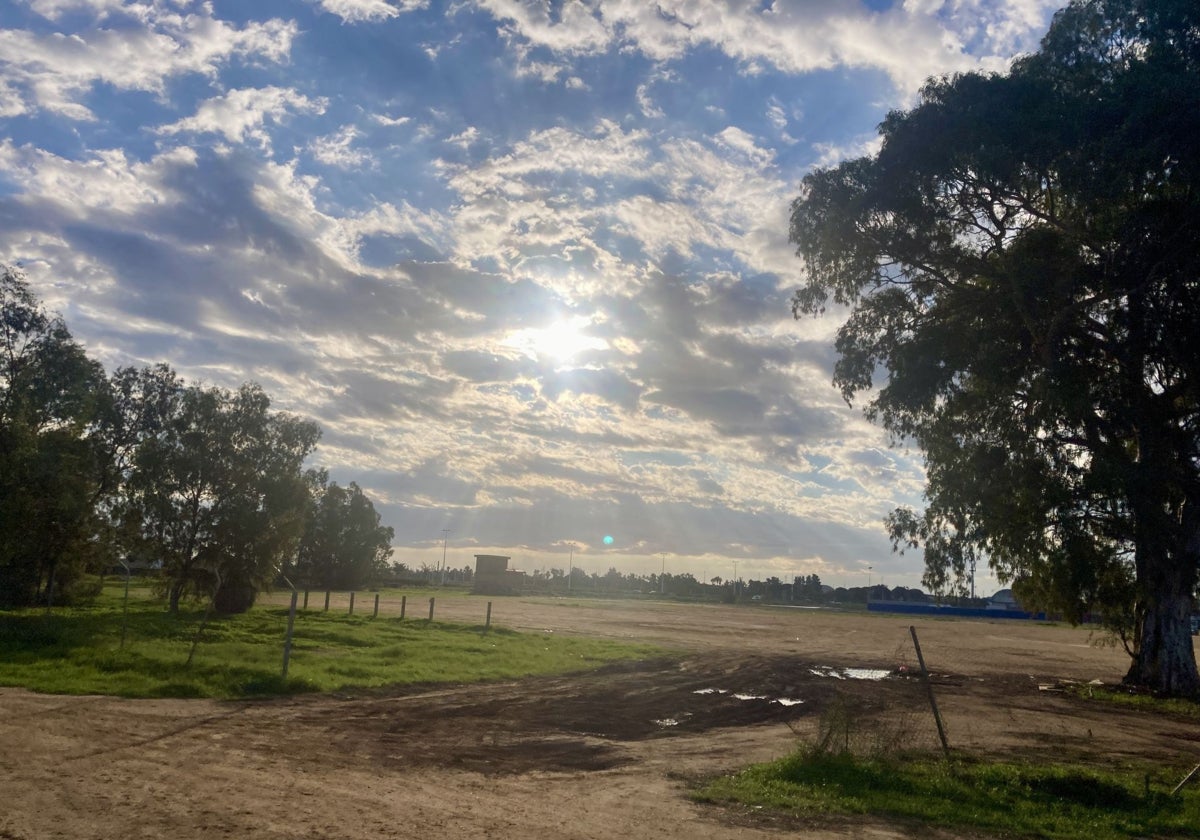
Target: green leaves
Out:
[343,546]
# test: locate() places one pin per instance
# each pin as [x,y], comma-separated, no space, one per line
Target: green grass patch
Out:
[78,651]
[1132,698]
[997,798]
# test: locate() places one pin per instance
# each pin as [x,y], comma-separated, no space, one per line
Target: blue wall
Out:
[910,608]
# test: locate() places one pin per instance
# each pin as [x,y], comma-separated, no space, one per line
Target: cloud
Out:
[243,114]
[909,42]
[54,71]
[337,149]
[527,266]
[358,11]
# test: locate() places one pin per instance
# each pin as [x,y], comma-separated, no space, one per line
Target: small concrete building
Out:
[493,577]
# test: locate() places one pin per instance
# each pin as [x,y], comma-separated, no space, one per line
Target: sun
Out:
[561,341]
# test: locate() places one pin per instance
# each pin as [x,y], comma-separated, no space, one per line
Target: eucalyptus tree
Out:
[344,546]
[1021,267]
[48,466]
[218,496]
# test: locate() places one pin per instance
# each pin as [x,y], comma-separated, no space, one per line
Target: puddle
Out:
[750,696]
[710,691]
[671,721]
[787,701]
[850,673]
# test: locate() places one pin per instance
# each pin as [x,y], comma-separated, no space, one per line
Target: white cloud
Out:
[576,29]
[909,42]
[358,11]
[649,109]
[465,138]
[831,154]
[105,180]
[391,122]
[337,150]
[54,71]
[243,114]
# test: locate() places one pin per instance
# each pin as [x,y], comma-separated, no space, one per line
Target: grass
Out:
[1136,699]
[78,650]
[996,798]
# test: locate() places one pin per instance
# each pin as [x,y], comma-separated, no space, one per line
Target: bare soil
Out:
[606,754]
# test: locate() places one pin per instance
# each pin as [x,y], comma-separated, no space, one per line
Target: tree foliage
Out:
[48,466]
[203,483]
[344,546]
[1021,257]
[217,496]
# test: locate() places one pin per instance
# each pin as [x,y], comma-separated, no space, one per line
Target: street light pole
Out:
[445,532]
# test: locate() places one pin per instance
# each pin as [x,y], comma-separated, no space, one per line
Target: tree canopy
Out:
[343,545]
[205,484]
[1020,265]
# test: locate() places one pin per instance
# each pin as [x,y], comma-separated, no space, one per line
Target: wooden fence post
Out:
[403,605]
[306,599]
[937,716]
[431,609]
[488,623]
[287,641]
[351,603]
[376,615]
[326,600]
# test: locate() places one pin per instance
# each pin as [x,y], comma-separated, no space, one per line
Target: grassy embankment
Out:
[78,650]
[997,798]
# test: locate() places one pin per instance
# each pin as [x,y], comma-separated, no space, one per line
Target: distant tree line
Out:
[804,589]
[202,485]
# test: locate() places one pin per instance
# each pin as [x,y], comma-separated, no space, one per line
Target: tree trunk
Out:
[1166,661]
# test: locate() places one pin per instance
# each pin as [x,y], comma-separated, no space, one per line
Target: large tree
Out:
[49,471]
[1020,264]
[217,494]
[344,545]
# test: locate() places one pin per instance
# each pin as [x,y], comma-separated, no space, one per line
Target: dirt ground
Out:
[604,755]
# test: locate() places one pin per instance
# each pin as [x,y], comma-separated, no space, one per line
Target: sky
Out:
[525,262]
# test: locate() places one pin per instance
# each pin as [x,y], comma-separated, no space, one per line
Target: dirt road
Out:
[604,755]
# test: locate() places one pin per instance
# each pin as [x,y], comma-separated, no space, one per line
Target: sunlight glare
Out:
[561,341]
